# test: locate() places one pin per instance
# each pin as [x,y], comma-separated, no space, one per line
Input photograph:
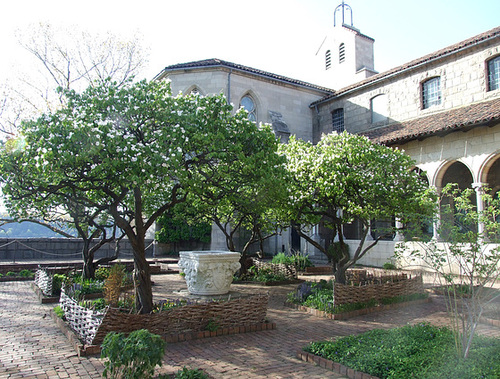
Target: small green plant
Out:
[11,273]
[212,326]
[102,273]
[134,356]
[97,304]
[59,312]
[187,373]
[26,274]
[389,266]
[298,260]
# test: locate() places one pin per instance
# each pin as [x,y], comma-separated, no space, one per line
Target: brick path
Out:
[32,346]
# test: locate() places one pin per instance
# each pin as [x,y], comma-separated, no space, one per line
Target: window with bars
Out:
[328,59]
[341,53]
[431,92]
[338,120]
[494,74]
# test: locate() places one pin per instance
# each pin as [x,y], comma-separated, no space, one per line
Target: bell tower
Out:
[346,55]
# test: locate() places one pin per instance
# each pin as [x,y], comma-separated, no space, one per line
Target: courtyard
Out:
[34,347]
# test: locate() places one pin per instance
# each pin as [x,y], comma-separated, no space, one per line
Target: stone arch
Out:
[489,172]
[194,89]
[453,171]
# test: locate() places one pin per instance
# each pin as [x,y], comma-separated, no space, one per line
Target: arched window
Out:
[494,74]
[195,91]
[341,52]
[328,59]
[248,103]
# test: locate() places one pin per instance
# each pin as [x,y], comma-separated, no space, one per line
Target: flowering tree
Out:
[241,193]
[345,177]
[132,151]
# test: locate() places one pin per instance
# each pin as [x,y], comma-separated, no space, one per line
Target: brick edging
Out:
[357,312]
[333,366]
[490,321]
[41,297]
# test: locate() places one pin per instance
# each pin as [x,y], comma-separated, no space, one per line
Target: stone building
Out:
[442,109]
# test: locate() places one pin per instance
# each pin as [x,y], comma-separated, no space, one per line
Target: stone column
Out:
[436,223]
[479,188]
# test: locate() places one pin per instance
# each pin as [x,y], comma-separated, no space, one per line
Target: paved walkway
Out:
[33,347]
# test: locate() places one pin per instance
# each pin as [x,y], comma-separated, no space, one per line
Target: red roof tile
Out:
[484,113]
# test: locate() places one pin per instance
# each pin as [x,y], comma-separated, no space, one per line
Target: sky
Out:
[279,36]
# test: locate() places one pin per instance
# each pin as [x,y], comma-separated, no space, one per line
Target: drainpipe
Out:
[229,86]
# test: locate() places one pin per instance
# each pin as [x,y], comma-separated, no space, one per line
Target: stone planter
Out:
[209,272]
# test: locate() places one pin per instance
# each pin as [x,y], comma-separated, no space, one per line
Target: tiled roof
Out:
[221,63]
[484,113]
[495,32]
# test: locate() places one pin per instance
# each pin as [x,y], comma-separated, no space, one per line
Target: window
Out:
[431,92]
[328,59]
[341,53]
[249,104]
[494,74]
[338,120]
[379,108]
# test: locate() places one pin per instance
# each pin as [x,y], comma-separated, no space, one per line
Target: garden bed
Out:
[357,312]
[202,320]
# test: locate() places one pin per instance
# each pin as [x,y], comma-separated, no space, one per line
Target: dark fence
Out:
[13,249]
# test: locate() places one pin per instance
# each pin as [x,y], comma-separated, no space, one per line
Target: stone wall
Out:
[463,82]
[58,249]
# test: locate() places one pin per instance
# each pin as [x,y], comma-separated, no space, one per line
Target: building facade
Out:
[442,109]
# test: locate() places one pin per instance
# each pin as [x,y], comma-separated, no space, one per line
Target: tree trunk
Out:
[340,274]
[88,261]
[142,283]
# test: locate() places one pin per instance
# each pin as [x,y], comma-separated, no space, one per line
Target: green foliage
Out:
[57,282]
[134,356]
[366,181]
[97,304]
[59,312]
[11,273]
[319,295]
[102,273]
[187,373]
[174,228]
[264,275]
[212,325]
[418,351]
[389,266]
[300,261]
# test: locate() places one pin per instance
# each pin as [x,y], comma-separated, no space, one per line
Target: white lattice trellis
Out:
[83,321]
[44,281]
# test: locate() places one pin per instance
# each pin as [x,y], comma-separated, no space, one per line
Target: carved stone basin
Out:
[209,272]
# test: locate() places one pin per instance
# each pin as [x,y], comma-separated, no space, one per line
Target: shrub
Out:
[57,282]
[102,273]
[389,266]
[113,284]
[298,260]
[11,273]
[186,373]
[134,356]
[26,274]
[59,312]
